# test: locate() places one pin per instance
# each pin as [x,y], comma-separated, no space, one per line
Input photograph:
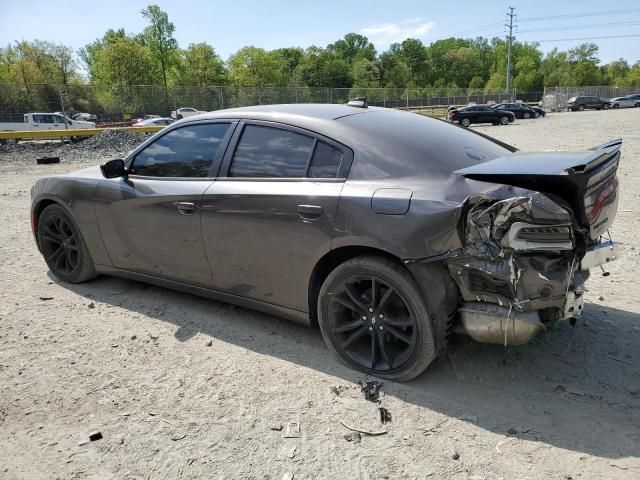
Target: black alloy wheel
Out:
[372,323]
[62,246]
[374,317]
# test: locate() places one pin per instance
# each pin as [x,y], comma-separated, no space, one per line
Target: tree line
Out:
[154,57]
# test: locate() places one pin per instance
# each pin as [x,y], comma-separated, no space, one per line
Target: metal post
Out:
[510,40]
[407,98]
[64,114]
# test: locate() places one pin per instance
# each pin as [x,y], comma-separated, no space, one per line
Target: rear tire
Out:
[616,106]
[374,318]
[581,108]
[504,120]
[465,122]
[180,117]
[63,247]
[526,115]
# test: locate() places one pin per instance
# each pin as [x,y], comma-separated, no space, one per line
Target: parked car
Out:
[184,113]
[539,111]
[465,116]
[39,122]
[83,116]
[363,221]
[520,110]
[578,104]
[635,96]
[624,102]
[154,122]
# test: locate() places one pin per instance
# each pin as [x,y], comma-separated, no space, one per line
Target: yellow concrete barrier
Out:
[83,132]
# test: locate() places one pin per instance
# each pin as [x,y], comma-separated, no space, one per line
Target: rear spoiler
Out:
[519,165]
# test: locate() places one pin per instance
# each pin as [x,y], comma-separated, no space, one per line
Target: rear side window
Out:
[271,152]
[185,152]
[325,162]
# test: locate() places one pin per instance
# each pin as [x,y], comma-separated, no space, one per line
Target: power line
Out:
[576,15]
[478,29]
[580,27]
[583,38]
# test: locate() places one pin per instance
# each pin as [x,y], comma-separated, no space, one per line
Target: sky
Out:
[230,25]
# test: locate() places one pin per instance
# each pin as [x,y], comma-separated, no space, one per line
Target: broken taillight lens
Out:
[598,196]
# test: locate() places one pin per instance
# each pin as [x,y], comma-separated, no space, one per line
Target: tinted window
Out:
[325,162]
[184,152]
[271,152]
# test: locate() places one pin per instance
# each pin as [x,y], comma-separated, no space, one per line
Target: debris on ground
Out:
[372,433]
[277,427]
[94,436]
[47,160]
[91,305]
[46,298]
[455,456]
[371,389]
[209,343]
[354,437]
[292,430]
[385,415]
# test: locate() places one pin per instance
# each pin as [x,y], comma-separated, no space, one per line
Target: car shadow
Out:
[575,388]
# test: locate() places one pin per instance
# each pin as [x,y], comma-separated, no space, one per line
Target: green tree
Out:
[321,68]
[254,67]
[365,74]
[200,65]
[353,47]
[158,36]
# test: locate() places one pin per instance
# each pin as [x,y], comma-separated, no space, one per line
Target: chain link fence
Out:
[555,98]
[120,103]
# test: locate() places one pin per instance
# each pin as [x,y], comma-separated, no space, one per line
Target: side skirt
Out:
[276,310]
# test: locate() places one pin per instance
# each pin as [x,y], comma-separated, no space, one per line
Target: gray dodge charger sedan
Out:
[387,229]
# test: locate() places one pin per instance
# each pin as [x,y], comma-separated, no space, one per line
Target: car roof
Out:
[319,111]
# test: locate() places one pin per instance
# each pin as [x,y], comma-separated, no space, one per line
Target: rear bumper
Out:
[600,254]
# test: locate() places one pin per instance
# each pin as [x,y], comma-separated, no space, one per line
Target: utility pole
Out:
[510,40]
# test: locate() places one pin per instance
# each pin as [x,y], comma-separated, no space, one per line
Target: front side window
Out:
[271,152]
[185,152]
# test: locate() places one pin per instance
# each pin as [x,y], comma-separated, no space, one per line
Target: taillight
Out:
[596,197]
[452,114]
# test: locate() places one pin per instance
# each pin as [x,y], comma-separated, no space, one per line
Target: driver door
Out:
[150,220]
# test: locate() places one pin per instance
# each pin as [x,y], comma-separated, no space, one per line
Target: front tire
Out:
[526,115]
[63,247]
[374,318]
[581,108]
[504,120]
[465,122]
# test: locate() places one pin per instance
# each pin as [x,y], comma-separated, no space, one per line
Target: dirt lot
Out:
[134,362]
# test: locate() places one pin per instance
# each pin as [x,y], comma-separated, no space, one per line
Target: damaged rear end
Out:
[527,250]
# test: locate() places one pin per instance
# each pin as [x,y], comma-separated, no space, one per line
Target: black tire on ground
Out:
[581,108]
[637,105]
[605,107]
[63,247]
[180,117]
[465,122]
[536,115]
[375,319]
[616,106]
[526,115]
[504,120]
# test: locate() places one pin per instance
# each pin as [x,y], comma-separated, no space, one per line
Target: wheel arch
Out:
[39,206]
[331,260]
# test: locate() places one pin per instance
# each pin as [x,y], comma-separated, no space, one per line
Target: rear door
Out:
[150,221]
[270,215]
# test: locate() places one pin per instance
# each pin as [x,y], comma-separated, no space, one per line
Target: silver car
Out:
[624,102]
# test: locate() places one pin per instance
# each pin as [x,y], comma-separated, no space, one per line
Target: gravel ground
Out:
[182,387]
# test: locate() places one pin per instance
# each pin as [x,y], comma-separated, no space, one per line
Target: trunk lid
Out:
[585,180]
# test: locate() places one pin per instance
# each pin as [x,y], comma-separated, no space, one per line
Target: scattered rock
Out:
[277,427]
[209,343]
[154,336]
[601,298]
[455,456]
[287,476]
[114,345]
[46,298]
[133,337]
[175,436]
[354,437]
[94,436]
[292,452]
[91,305]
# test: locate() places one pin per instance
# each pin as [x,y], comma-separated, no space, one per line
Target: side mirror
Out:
[114,169]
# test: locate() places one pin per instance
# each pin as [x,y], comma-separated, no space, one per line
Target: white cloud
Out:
[388,33]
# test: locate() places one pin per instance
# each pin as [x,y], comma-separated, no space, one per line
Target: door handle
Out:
[186,208]
[309,211]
